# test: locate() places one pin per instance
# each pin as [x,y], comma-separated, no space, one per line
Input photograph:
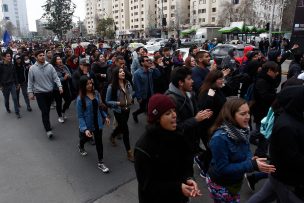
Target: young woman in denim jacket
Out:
[90,119]
[231,155]
[119,98]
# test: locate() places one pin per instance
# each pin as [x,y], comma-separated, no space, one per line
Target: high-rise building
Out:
[96,9]
[121,16]
[15,11]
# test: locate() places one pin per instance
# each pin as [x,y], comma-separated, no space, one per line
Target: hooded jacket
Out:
[41,78]
[287,139]
[185,110]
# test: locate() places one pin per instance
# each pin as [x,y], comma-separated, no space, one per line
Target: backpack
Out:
[267,124]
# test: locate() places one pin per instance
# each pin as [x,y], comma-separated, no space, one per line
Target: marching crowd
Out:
[198,113]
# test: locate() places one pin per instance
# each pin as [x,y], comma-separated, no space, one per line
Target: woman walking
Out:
[91,119]
[65,77]
[231,155]
[119,97]
[163,165]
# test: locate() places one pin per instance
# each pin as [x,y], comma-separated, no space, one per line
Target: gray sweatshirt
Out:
[41,78]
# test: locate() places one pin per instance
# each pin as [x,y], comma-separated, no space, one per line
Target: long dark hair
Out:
[228,113]
[115,83]
[54,59]
[83,90]
[210,80]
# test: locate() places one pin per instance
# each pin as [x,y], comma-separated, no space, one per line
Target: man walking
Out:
[9,82]
[41,79]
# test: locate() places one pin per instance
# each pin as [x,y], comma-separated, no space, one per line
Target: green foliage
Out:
[105,28]
[58,14]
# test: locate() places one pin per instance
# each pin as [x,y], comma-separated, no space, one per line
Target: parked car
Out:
[152,41]
[187,42]
[135,45]
[219,52]
[151,49]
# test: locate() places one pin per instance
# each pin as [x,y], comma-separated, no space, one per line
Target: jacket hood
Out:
[247,49]
[291,99]
[42,65]
[176,91]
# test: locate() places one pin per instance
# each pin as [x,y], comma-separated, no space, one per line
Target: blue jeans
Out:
[7,90]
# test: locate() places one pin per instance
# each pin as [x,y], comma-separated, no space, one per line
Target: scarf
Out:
[237,134]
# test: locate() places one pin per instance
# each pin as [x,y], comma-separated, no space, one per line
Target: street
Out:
[35,169]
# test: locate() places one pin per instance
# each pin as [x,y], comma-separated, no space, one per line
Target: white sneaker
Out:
[60,120]
[103,167]
[64,116]
[49,134]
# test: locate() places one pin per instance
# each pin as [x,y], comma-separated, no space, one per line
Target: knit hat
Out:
[158,105]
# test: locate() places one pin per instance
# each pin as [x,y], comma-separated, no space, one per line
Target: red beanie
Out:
[158,105]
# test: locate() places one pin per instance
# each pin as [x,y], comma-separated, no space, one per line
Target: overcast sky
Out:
[35,11]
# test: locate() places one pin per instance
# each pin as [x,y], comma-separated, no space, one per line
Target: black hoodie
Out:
[287,139]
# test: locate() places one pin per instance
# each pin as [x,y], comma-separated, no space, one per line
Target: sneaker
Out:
[29,109]
[18,115]
[64,116]
[250,182]
[103,167]
[49,134]
[135,118]
[82,151]
[60,120]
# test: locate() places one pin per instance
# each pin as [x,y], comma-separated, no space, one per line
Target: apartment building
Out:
[15,11]
[96,9]
[208,12]
[176,13]
[121,16]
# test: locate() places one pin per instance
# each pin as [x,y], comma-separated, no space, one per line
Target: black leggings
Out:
[122,127]
[58,99]
[98,142]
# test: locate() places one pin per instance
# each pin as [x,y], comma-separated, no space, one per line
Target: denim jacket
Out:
[113,104]
[142,82]
[85,118]
[230,159]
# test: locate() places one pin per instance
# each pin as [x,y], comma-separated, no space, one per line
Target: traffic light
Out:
[267,26]
[164,22]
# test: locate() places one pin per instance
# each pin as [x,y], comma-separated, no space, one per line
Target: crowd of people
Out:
[196,112]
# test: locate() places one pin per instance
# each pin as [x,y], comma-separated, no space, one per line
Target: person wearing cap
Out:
[84,69]
[41,79]
[159,150]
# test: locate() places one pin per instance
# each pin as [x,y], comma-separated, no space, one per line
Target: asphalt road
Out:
[35,169]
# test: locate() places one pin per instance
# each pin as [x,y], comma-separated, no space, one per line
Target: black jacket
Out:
[161,165]
[161,83]
[22,73]
[8,74]
[287,139]
[294,69]
[186,110]
[264,94]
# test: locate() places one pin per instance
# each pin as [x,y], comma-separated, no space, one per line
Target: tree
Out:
[9,26]
[58,14]
[105,28]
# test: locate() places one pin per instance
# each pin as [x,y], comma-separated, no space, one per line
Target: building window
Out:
[204,20]
[5,8]
[142,26]
[142,19]
[213,19]
[213,1]
[143,12]
[165,8]
[235,1]
[172,14]
[172,7]
[213,9]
